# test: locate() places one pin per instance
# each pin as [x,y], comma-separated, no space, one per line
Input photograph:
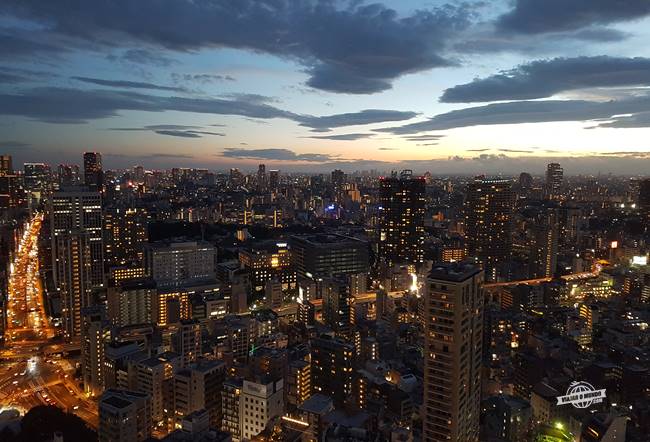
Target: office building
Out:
[452,353]
[77,252]
[554,177]
[125,234]
[328,254]
[124,416]
[299,381]
[177,264]
[93,171]
[401,231]
[331,368]
[488,217]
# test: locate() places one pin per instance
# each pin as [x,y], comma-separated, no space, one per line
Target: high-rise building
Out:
[12,192]
[175,264]
[155,377]
[130,302]
[644,198]
[230,405]
[274,180]
[261,401]
[69,175]
[338,178]
[124,416]
[261,178]
[452,353]
[95,333]
[187,341]
[331,368]
[328,254]
[543,254]
[338,308]
[37,177]
[198,387]
[488,215]
[125,234]
[554,176]
[77,252]
[93,171]
[6,165]
[401,232]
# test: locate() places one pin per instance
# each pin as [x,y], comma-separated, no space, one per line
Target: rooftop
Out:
[454,272]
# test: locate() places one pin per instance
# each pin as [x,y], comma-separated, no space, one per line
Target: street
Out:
[30,373]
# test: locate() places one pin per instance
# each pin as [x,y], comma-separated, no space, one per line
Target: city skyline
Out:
[470,88]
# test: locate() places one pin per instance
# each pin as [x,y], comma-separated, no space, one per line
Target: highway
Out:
[30,374]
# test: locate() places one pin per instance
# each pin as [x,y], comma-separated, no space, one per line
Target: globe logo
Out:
[581,395]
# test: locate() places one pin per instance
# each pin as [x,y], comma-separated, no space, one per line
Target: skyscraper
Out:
[6,165]
[401,234]
[125,234]
[543,256]
[274,179]
[452,353]
[124,416]
[68,175]
[331,367]
[644,198]
[261,178]
[77,252]
[37,177]
[488,213]
[95,332]
[554,176]
[93,172]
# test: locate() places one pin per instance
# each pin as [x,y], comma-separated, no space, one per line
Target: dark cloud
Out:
[368,116]
[544,78]
[44,104]
[535,17]
[178,133]
[519,112]
[13,46]
[428,144]
[343,137]
[145,56]
[128,84]
[275,154]
[387,148]
[172,130]
[13,145]
[424,137]
[8,78]
[357,49]
[201,78]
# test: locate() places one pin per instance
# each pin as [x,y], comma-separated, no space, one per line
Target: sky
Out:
[457,87]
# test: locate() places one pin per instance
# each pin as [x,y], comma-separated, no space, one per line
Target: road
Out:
[30,374]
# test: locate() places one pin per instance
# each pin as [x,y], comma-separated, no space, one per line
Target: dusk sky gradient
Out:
[499,86]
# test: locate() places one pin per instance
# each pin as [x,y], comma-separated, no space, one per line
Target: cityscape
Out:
[451,244]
